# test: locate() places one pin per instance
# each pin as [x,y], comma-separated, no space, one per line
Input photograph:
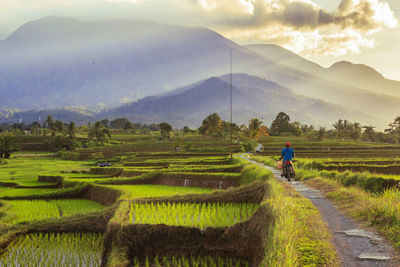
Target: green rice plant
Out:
[28,167]
[51,249]
[38,210]
[31,210]
[21,192]
[191,214]
[72,207]
[144,191]
[71,190]
[191,260]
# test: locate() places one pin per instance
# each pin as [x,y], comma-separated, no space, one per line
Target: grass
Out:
[252,173]
[72,249]
[143,191]
[309,169]
[299,236]
[191,214]
[381,210]
[363,195]
[36,210]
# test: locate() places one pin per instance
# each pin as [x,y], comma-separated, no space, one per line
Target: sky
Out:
[324,31]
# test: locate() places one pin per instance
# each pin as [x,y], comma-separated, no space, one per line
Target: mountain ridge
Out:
[119,61]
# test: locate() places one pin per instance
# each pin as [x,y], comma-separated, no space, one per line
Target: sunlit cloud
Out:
[299,25]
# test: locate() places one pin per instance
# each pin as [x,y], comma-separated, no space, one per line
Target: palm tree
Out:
[7,146]
[99,133]
[72,130]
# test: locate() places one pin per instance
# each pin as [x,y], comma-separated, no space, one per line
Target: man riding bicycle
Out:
[287,155]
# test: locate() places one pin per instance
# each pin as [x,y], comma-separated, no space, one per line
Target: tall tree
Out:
[394,129]
[165,129]
[212,125]
[99,134]
[58,126]
[369,133]
[34,127]
[71,131]
[7,146]
[355,130]
[121,123]
[281,124]
[254,127]
[50,124]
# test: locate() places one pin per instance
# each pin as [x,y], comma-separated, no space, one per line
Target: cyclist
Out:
[287,155]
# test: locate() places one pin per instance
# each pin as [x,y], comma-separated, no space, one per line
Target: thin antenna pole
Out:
[230,87]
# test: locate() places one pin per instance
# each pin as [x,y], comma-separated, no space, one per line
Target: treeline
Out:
[282,126]
[99,133]
[52,127]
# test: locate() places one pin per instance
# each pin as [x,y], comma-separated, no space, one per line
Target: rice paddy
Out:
[190,214]
[73,249]
[38,210]
[145,191]
[190,261]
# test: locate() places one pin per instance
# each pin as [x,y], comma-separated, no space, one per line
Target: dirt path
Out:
[355,246]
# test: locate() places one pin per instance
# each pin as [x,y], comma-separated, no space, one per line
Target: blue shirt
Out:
[287,153]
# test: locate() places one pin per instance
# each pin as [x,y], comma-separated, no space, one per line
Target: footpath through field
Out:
[355,246]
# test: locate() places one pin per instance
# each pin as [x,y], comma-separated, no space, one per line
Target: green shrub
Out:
[249,146]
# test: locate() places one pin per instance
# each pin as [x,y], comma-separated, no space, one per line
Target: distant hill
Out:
[63,114]
[362,76]
[285,57]
[356,75]
[252,97]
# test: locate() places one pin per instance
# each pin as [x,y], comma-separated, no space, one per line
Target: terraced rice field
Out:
[145,191]
[38,210]
[77,249]
[198,211]
[195,261]
[191,215]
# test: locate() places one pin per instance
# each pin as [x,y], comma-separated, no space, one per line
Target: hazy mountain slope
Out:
[56,62]
[355,75]
[252,97]
[64,115]
[61,61]
[286,57]
[362,76]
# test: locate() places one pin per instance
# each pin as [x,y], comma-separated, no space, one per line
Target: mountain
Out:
[362,76]
[55,62]
[285,57]
[252,97]
[59,62]
[355,75]
[78,115]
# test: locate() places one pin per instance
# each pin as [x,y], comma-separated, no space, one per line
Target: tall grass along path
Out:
[355,246]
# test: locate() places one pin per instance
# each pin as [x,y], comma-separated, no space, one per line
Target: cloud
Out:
[299,25]
[305,27]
